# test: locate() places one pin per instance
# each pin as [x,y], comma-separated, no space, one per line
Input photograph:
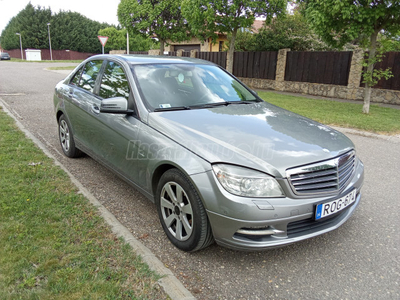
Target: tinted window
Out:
[114,82]
[88,79]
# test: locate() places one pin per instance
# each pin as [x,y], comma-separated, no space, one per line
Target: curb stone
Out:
[392,138]
[171,285]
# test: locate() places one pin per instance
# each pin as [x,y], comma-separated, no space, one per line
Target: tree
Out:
[117,40]
[31,23]
[245,40]
[69,30]
[341,21]
[208,18]
[153,18]
[390,41]
[290,31]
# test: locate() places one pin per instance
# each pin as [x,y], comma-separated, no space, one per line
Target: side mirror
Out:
[116,105]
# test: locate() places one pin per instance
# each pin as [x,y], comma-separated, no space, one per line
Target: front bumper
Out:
[255,224]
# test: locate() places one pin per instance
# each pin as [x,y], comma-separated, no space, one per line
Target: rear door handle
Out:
[73,99]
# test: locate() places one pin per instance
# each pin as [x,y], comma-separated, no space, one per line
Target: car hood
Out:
[258,135]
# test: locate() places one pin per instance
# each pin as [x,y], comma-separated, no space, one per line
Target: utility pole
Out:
[51,52]
[20,44]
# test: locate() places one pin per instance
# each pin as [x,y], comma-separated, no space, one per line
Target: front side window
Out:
[165,86]
[114,82]
[89,75]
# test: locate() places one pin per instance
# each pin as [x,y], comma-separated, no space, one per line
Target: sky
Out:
[101,11]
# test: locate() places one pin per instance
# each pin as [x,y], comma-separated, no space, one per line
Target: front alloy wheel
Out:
[176,211]
[181,212]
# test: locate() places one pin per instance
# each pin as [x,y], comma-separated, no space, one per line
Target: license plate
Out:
[329,208]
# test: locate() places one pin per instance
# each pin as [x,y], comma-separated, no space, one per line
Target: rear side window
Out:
[114,82]
[89,75]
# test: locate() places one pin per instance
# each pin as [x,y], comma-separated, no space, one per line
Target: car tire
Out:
[66,138]
[181,212]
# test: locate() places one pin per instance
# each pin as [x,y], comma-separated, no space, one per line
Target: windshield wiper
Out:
[241,102]
[208,105]
[172,108]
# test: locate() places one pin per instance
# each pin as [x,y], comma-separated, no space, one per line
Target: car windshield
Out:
[184,86]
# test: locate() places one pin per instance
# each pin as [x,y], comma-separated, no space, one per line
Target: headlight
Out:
[246,182]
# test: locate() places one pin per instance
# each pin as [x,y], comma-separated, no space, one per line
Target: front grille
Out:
[328,176]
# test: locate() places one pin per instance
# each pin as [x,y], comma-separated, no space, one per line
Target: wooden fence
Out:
[392,61]
[314,67]
[255,64]
[218,58]
[186,53]
[57,54]
[318,67]
[139,52]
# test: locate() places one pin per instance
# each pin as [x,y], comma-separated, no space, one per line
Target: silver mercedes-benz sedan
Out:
[219,162]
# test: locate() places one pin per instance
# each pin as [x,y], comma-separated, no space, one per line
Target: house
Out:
[257,25]
[207,45]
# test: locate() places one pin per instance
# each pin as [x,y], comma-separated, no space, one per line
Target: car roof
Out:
[137,59]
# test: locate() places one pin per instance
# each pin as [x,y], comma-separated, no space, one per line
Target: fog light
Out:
[259,231]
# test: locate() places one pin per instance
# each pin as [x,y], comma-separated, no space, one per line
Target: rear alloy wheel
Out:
[181,212]
[67,139]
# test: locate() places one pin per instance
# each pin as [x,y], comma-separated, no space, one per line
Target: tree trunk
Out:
[231,51]
[162,43]
[370,69]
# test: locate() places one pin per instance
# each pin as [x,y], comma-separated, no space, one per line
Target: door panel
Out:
[80,98]
[112,136]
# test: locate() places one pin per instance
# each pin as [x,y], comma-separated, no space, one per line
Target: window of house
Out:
[221,46]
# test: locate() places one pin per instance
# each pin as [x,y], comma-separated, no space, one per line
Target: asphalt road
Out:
[360,260]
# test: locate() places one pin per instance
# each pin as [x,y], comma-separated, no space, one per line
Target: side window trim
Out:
[97,84]
[79,71]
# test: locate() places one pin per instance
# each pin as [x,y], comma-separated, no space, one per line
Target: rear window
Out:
[89,75]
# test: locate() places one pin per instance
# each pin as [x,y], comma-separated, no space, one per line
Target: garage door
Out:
[187,47]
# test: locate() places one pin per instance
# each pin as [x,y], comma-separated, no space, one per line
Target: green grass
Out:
[54,244]
[62,68]
[379,120]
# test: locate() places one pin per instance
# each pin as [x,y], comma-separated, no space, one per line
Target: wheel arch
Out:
[158,172]
[164,167]
[58,115]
